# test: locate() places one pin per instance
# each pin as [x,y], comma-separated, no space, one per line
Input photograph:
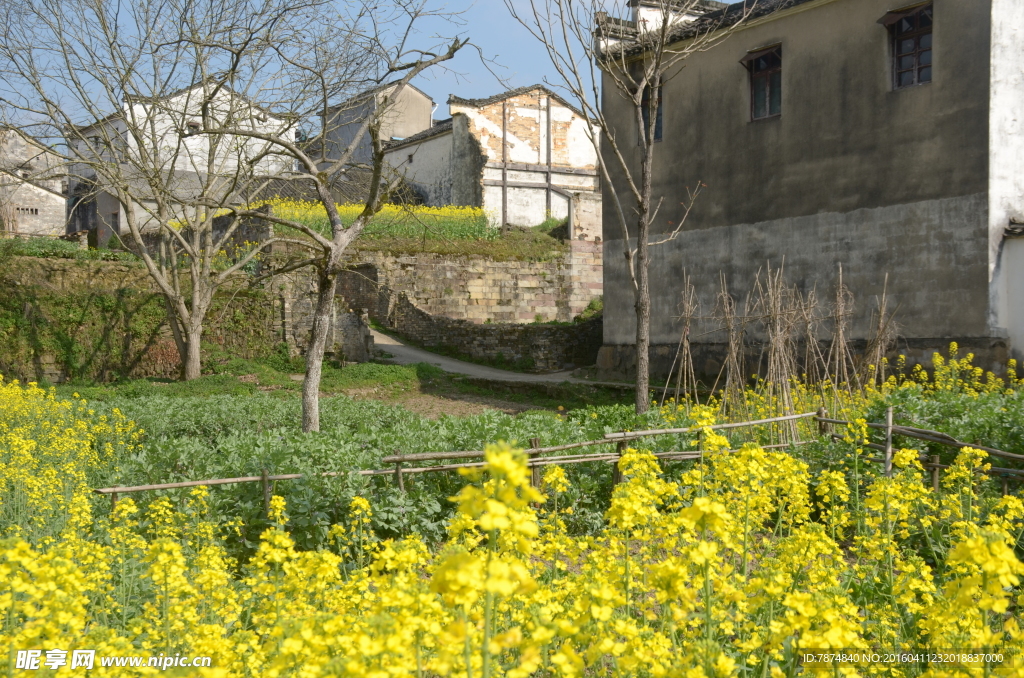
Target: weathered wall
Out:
[535,151]
[480,290]
[468,160]
[535,347]
[294,301]
[851,173]
[1006,168]
[427,167]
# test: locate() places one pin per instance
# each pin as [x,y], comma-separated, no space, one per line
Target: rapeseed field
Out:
[751,562]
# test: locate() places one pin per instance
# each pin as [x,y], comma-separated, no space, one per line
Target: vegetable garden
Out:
[749,560]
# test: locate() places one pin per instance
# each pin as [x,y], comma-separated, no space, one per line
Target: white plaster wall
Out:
[580,147]
[50,209]
[430,171]
[1006,167]
[160,125]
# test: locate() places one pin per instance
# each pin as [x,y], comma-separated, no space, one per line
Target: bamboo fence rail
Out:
[619,439]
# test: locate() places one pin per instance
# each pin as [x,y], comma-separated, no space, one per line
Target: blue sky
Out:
[519,59]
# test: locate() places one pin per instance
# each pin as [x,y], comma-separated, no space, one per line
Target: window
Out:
[645,107]
[765,66]
[193,127]
[29,210]
[410,158]
[911,31]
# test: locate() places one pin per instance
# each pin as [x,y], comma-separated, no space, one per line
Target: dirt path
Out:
[405,355]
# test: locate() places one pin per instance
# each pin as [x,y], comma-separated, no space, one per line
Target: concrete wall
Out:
[1006,168]
[479,290]
[851,173]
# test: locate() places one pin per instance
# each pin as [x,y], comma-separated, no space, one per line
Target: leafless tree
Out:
[335,134]
[186,112]
[129,88]
[598,57]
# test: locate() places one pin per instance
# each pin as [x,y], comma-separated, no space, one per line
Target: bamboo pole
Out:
[632,435]
[932,437]
[888,441]
[436,456]
[535,470]
[266,494]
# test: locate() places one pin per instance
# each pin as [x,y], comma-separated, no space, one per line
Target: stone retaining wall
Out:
[481,290]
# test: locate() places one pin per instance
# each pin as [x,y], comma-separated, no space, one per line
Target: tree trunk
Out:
[315,353]
[193,367]
[643,327]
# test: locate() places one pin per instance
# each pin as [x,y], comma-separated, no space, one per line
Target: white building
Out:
[32,187]
[523,155]
[159,150]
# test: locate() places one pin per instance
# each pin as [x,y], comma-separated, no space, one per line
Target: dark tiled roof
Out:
[477,103]
[723,18]
[440,127]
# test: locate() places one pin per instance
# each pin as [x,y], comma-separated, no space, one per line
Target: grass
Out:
[51,248]
[234,378]
[515,245]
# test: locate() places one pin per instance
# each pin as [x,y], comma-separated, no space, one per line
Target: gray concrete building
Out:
[883,137]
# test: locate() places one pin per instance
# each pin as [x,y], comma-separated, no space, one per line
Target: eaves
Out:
[798,6]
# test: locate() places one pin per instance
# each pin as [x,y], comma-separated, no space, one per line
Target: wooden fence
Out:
[620,440]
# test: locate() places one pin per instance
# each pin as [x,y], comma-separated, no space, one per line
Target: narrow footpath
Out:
[403,354]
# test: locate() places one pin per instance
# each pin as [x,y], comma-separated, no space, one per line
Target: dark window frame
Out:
[659,115]
[915,60]
[765,69]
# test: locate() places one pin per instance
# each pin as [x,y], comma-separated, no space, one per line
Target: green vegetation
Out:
[514,245]
[51,248]
[99,325]
[595,309]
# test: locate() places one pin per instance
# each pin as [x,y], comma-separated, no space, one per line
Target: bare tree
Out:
[598,57]
[186,113]
[389,54]
[130,89]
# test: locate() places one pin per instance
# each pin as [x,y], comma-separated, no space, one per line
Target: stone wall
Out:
[536,348]
[479,290]
[294,298]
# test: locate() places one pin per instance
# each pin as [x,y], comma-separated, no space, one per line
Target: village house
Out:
[32,187]
[881,137]
[405,113]
[181,166]
[523,156]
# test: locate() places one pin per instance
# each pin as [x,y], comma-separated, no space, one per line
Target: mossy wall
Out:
[96,321]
